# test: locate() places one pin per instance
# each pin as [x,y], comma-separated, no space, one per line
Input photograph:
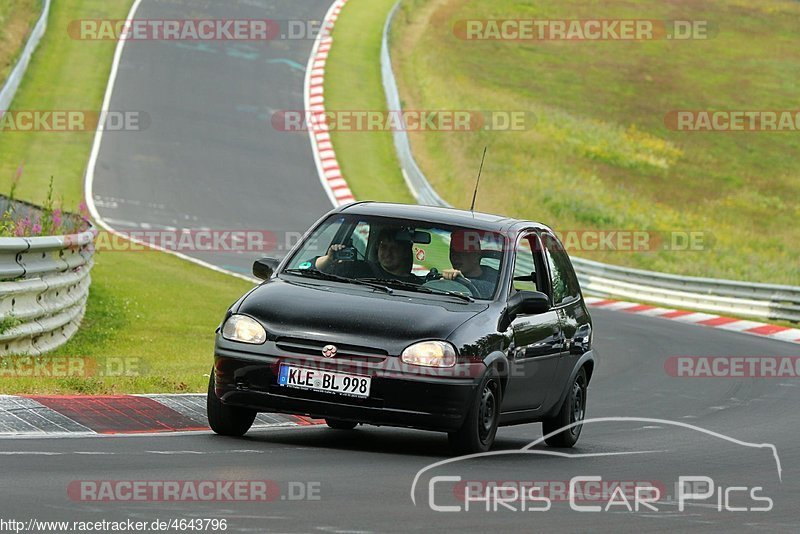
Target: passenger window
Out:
[562,276]
[360,238]
[524,267]
[493,263]
[431,254]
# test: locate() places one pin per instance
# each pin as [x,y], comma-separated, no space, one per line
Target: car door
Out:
[568,304]
[537,339]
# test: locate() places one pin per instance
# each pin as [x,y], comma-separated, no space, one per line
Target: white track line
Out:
[328,169]
[791,335]
[89,178]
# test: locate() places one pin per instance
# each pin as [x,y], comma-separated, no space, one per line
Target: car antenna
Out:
[478,181]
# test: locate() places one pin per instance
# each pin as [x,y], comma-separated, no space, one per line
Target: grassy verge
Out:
[64,74]
[154,312]
[599,156]
[154,315]
[353,83]
[17,18]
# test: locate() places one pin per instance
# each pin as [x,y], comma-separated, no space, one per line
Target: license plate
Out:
[324,381]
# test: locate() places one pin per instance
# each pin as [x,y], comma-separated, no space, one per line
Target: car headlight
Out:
[244,329]
[430,354]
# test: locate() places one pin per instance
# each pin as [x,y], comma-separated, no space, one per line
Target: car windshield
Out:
[403,254]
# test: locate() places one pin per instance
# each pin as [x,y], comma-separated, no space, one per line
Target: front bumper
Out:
[400,395]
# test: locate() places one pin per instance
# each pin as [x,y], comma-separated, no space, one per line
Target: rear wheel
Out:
[338,424]
[480,426]
[572,411]
[226,420]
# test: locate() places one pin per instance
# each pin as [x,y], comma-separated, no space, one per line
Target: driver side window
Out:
[562,277]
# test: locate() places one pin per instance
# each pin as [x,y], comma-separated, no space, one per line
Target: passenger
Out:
[465,257]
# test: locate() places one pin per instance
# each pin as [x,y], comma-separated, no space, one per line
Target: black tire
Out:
[338,424]
[480,426]
[226,420]
[572,411]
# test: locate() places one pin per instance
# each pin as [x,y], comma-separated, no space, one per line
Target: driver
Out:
[465,256]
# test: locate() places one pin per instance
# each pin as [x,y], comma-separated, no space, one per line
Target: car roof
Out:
[439,215]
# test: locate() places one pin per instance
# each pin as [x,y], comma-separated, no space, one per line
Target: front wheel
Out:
[572,411]
[226,420]
[480,426]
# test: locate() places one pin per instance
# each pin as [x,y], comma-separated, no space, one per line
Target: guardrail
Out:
[44,285]
[15,78]
[766,301]
[44,281]
[416,181]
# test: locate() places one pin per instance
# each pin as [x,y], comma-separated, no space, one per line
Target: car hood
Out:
[355,315]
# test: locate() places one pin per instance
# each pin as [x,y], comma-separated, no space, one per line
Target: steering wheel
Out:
[434,274]
[466,282]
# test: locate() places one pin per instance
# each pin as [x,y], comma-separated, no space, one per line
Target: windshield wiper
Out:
[321,275]
[418,288]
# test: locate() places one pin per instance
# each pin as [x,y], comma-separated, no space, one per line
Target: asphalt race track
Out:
[210,159]
[363,478]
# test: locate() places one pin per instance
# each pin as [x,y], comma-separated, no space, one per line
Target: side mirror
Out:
[528,303]
[264,268]
[534,302]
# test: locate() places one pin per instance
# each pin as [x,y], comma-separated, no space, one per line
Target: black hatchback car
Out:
[411,316]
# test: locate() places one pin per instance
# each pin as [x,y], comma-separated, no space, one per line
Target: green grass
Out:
[155,310]
[64,74]
[599,155]
[370,162]
[17,18]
